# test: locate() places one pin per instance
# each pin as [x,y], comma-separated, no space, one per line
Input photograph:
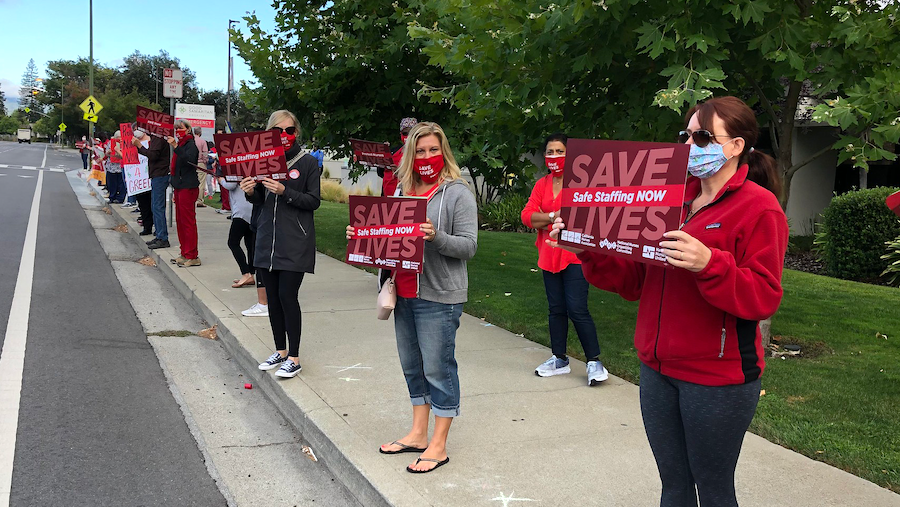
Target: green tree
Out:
[348,69]
[597,68]
[2,103]
[28,92]
[144,74]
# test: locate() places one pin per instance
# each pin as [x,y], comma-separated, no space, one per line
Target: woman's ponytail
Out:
[764,171]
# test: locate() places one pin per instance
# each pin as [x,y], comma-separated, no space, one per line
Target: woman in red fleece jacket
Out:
[697,332]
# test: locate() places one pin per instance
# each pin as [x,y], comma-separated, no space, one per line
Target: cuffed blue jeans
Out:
[158,188]
[567,298]
[426,342]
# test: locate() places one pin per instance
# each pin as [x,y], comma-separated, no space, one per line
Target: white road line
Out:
[3,165]
[57,170]
[44,162]
[12,358]
[29,167]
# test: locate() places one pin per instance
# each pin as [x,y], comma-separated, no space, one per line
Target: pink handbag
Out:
[387,298]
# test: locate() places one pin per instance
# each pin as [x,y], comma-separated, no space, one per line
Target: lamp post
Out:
[230,79]
[91,92]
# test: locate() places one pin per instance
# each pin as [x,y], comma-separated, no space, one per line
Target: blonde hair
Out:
[407,174]
[279,116]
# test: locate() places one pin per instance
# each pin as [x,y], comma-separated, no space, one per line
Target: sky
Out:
[195,33]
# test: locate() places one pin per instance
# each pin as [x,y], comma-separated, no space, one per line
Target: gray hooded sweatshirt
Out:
[454,214]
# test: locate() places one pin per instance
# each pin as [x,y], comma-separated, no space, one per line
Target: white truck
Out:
[24,136]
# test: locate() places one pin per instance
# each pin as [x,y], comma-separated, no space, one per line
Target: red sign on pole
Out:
[254,154]
[155,122]
[619,197]
[387,232]
[372,154]
[129,150]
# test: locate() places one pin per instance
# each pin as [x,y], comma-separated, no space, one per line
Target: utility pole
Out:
[230,79]
[91,92]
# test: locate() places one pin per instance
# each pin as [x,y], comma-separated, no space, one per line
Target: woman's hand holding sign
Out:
[686,251]
[428,230]
[351,231]
[273,186]
[557,226]
[248,185]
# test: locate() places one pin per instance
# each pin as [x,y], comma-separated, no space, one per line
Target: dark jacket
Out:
[157,154]
[703,327]
[286,234]
[184,174]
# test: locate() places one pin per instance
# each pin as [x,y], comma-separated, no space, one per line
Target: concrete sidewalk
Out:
[520,439]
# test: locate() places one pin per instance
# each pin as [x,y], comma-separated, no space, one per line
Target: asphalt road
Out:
[97,424]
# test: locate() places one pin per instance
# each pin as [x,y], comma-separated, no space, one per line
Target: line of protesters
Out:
[697,333]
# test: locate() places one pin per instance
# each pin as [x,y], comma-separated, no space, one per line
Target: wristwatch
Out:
[552,215]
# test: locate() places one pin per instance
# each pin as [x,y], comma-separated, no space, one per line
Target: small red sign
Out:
[155,122]
[619,197]
[115,151]
[893,202]
[373,154]
[251,154]
[387,232]
[129,150]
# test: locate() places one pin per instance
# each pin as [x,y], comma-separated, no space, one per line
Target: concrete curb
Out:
[310,424]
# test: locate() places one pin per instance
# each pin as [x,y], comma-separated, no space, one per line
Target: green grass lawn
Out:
[840,407]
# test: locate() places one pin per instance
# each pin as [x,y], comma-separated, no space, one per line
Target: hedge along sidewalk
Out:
[839,407]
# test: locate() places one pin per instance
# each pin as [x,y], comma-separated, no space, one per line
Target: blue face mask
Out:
[706,161]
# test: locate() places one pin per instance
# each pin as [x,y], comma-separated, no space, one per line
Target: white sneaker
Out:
[257,310]
[553,366]
[288,369]
[596,373]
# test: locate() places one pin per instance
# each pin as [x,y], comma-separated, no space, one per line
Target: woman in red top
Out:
[567,290]
[697,333]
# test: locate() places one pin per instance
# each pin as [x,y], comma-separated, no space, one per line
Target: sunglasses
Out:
[289,131]
[701,137]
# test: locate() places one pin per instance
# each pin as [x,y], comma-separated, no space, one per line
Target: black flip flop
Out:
[403,448]
[439,464]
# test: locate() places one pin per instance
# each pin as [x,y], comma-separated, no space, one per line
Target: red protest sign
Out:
[619,197]
[254,154]
[893,202]
[372,154]
[387,232]
[155,122]
[115,151]
[129,150]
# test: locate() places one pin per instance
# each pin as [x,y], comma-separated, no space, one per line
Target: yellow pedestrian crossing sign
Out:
[62,127]
[91,106]
[90,117]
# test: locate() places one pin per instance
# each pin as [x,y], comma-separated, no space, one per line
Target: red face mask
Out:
[555,164]
[429,169]
[287,140]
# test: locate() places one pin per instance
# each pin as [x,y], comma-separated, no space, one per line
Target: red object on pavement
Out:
[893,202]
[248,386]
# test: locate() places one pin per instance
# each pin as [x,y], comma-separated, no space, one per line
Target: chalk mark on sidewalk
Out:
[342,369]
[511,498]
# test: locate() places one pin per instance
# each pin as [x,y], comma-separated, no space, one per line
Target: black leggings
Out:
[240,229]
[282,290]
[696,433]
[143,201]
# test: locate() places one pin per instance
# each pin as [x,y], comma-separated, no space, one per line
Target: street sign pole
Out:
[91,92]
[168,194]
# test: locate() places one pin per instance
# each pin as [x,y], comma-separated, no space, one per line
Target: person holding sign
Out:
[697,333]
[285,240]
[429,305]
[567,290]
[186,185]
[115,179]
[389,179]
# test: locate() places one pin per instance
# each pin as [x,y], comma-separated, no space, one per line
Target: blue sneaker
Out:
[596,373]
[553,366]
[288,369]
[272,362]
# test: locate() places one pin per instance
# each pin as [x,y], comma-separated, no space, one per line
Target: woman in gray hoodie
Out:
[429,305]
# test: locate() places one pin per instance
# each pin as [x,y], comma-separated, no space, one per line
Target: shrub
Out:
[852,234]
[333,191]
[893,262]
[504,215]
[363,191]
